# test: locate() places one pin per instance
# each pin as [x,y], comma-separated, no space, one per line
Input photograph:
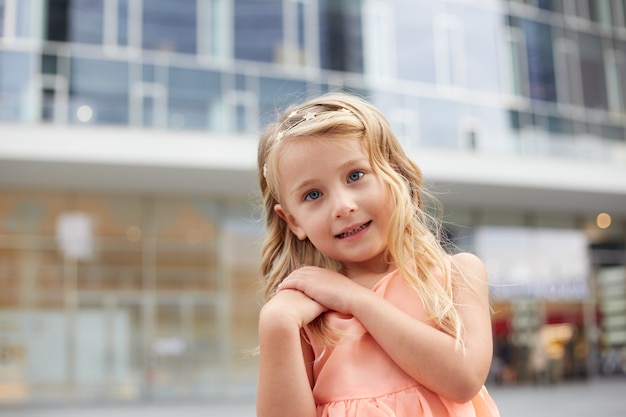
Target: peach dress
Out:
[357,377]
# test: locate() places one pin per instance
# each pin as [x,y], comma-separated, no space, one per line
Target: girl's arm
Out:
[285,374]
[430,356]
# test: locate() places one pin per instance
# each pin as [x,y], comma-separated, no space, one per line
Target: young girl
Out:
[366,314]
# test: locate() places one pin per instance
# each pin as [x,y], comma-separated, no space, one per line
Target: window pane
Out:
[540,60]
[258,30]
[102,86]
[169,25]
[57,20]
[341,40]
[592,72]
[86,21]
[122,22]
[481,48]
[194,98]
[414,41]
[16,70]
[2,18]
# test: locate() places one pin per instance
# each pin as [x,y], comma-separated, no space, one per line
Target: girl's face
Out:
[331,195]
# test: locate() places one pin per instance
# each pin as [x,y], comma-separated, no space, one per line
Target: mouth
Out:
[353,231]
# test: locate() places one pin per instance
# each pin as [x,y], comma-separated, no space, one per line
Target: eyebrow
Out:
[307,183]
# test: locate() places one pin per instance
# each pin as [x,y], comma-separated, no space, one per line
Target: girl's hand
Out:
[290,308]
[329,288]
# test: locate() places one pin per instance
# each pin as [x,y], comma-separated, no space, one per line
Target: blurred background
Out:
[129,215]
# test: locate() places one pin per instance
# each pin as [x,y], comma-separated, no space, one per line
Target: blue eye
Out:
[312,195]
[355,176]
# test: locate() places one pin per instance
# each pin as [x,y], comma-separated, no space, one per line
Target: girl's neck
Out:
[368,276]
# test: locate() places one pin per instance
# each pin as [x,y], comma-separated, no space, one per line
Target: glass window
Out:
[16,71]
[567,64]
[122,22]
[480,47]
[258,30]
[551,5]
[57,20]
[542,83]
[439,127]
[600,11]
[341,38]
[515,71]
[194,99]
[86,19]
[450,50]
[300,33]
[2,11]
[593,71]
[414,41]
[100,88]
[169,25]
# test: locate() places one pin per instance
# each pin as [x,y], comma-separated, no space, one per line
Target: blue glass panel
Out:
[86,21]
[258,29]
[341,40]
[194,98]
[122,22]
[541,76]
[101,85]
[170,25]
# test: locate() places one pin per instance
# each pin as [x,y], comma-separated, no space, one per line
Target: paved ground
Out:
[599,398]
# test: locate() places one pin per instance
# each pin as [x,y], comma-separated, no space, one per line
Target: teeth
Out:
[353,231]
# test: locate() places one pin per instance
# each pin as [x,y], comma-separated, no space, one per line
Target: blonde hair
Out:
[414,243]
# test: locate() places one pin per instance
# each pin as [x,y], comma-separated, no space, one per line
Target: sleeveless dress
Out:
[357,378]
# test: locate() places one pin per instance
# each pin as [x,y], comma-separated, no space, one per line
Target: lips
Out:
[353,231]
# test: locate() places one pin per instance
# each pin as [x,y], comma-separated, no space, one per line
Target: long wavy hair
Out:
[414,240]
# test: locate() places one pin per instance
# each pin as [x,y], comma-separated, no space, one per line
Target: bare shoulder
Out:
[469,267]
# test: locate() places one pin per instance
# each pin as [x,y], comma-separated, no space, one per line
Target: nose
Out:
[343,204]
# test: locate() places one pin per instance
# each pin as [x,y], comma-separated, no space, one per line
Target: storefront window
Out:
[148,312]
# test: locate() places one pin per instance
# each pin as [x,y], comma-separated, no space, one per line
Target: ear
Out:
[291,222]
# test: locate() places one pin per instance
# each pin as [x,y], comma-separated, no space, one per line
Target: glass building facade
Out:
[121,290]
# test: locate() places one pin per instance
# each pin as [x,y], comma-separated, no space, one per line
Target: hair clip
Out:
[264,170]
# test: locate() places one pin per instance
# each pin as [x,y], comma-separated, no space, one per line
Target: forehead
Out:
[326,148]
